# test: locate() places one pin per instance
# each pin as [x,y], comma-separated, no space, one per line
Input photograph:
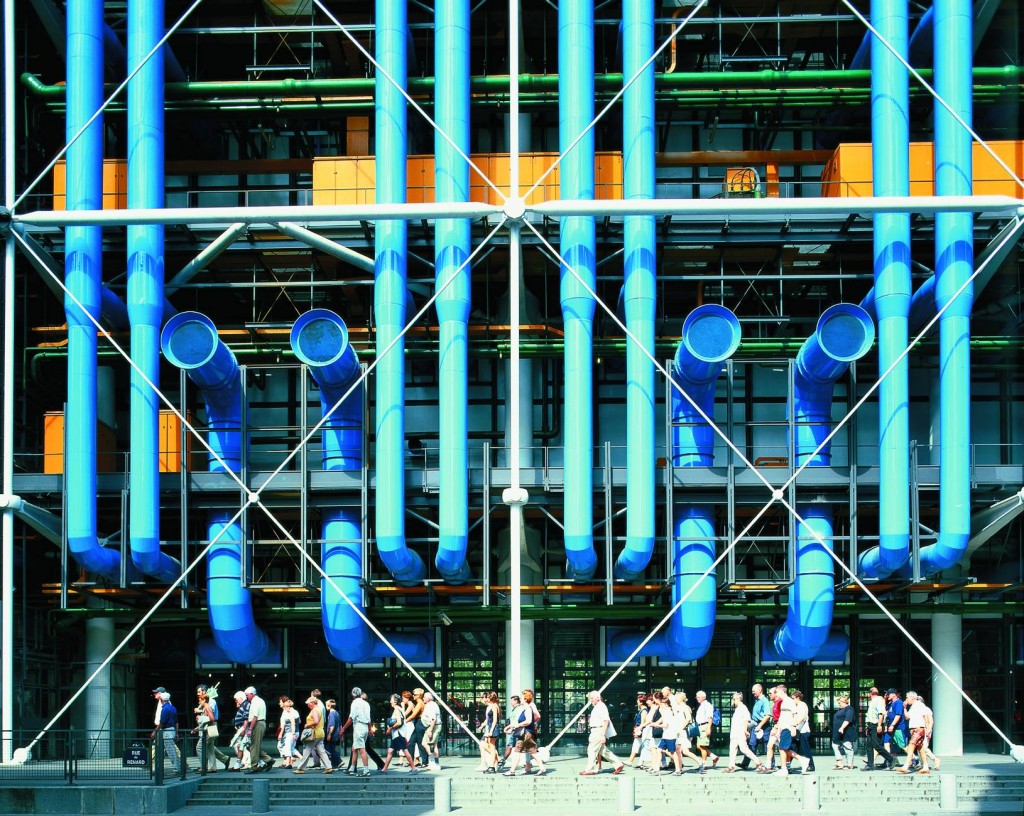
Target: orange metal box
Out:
[53,445]
[115,184]
[848,172]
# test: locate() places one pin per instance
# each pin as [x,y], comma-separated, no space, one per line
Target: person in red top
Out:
[773,737]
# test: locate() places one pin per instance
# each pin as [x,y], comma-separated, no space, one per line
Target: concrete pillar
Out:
[811,799]
[947,792]
[261,796]
[627,794]
[99,643]
[946,702]
[443,794]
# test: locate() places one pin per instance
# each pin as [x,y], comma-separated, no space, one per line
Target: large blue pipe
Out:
[319,339]
[83,266]
[389,295]
[190,341]
[578,246]
[954,264]
[639,290]
[890,128]
[711,334]
[452,241]
[146,284]
[844,334]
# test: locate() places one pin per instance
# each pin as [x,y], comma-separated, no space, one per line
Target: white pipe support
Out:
[217,246]
[7,541]
[259,215]
[325,245]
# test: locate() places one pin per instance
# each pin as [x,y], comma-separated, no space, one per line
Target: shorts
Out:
[432,734]
[704,740]
[899,738]
[527,745]
[398,742]
[668,745]
[785,740]
[917,737]
[360,731]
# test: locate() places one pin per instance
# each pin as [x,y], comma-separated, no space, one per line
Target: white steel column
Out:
[99,642]
[7,555]
[946,702]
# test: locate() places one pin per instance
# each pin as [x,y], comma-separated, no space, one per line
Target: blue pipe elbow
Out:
[230,604]
[639,292]
[577,239]
[834,650]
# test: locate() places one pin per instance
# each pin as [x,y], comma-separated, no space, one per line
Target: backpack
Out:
[716,716]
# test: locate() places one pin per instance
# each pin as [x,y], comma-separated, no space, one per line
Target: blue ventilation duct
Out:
[844,334]
[83,271]
[146,284]
[190,341]
[319,339]
[890,126]
[578,240]
[711,335]
[954,265]
[389,295]
[639,298]
[452,239]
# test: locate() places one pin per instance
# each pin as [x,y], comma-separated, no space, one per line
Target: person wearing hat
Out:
[167,726]
[874,727]
[896,731]
[207,728]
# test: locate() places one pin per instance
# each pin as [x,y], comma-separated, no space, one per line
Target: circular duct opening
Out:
[845,332]
[189,340]
[711,333]
[320,339]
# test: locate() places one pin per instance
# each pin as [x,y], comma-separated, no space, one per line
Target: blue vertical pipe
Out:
[452,241]
[711,334]
[389,294]
[578,246]
[844,333]
[190,341]
[639,290]
[83,265]
[146,284]
[954,264]
[319,339]
[890,129]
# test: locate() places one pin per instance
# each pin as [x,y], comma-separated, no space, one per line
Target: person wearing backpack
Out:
[704,719]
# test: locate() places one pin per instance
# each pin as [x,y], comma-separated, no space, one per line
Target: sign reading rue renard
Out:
[137,756]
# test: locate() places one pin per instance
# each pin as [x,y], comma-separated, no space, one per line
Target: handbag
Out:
[307,735]
[693,730]
[212,730]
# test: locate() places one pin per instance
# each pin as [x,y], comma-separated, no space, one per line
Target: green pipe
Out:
[548,83]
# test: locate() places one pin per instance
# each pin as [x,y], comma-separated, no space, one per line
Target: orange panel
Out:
[53,445]
[115,184]
[771,177]
[848,172]
[169,443]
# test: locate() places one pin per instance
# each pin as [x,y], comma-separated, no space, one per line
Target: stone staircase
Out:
[291,792]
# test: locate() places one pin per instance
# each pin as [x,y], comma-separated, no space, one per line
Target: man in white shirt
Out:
[432,730]
[703,716]
[788,733]
[255,728]
[874,728]
[360,717]
[739,733]
[600,730]
[919,719]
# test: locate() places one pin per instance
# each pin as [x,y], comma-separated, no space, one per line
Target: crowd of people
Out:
[773,733]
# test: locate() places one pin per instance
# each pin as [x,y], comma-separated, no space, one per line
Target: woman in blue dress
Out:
[490,728]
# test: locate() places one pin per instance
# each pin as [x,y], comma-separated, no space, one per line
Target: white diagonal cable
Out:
[362,616]
[29,250]
[657,364]
[839,425]
[426,306]
[380,69]
[665,619]
[618,95]
[136,628]
[900,626]
[924,83]
[109,99]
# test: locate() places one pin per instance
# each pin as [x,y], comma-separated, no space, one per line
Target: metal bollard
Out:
[947,792]
[261,796]
[811,800]
[443,794]
[627,794]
